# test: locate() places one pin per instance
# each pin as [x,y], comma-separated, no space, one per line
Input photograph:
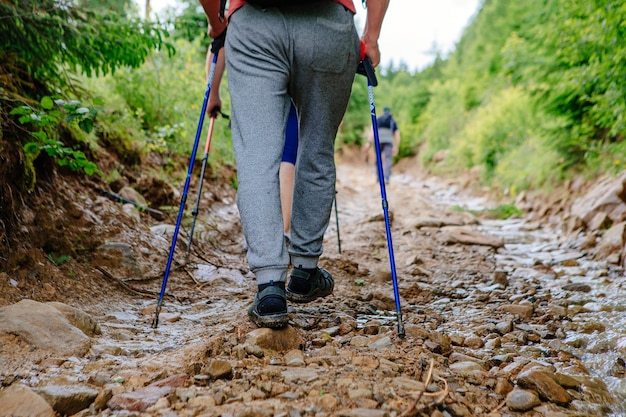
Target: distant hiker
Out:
[305,52]
[389,139]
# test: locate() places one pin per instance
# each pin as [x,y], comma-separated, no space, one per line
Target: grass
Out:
[501,212]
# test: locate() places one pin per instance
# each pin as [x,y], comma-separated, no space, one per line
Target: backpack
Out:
[386,121]
[273,3]
[268,3]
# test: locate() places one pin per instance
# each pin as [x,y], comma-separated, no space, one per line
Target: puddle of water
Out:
[204,273]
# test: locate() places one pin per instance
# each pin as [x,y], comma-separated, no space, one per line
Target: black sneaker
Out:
[307,285]
[270,306]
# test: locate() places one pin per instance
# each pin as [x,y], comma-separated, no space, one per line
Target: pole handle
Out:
[366,68]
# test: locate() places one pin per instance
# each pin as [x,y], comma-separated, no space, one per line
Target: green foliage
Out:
[534,91]
[104,6]
[191,23]
[43,39]
[579,63]
[444,117]
[530,165]
[46,121]
[58,260]
[44,44]
[76,112]
[500,212]
[161,90]
[163,98]
[118,127]
[569,55]
[502,124]
[357,117]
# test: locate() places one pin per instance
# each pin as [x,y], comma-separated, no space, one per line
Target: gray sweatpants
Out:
[308,54]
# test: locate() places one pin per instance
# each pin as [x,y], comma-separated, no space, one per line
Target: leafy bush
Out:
[508,138]
[164,98]
[494,129]
[444,116]
[118,127]
[162,88]
[42,39]
[568,54]
[358,117]
[44,136]
[500,212]
[531,165]
[44,44]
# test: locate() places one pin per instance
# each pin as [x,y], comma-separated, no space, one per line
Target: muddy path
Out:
[501,317]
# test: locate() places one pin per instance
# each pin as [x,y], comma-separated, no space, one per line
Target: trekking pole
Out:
[366,68]
[337,222]
[205,159]
[183,198]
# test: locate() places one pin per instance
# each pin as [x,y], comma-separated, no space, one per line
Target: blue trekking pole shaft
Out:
[370,84]
[183,199]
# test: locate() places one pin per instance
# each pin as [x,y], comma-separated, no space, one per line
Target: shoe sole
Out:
[272,321]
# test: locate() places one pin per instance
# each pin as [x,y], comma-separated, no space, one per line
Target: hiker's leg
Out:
[387,156]
[325,59]
[258,70]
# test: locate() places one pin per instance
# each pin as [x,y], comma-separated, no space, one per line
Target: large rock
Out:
[611,245]
[78,318]
[278,340]
[44,327]
[543,382]
[68,400]
[607,196]
[20,401]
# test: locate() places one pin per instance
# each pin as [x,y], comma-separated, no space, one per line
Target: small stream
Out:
[596,304]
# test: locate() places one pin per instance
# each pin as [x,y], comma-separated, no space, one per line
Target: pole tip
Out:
[401,332]
[155,320]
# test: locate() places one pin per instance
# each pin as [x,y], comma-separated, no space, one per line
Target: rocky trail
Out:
[516,317]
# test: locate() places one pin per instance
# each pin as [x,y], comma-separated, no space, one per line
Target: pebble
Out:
[522,400]
[294,358]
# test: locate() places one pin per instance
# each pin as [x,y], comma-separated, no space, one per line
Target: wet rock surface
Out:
[501,317]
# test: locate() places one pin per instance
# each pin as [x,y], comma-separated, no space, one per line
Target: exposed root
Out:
[442,394]
[498,407]
[411,410]
[128,287]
